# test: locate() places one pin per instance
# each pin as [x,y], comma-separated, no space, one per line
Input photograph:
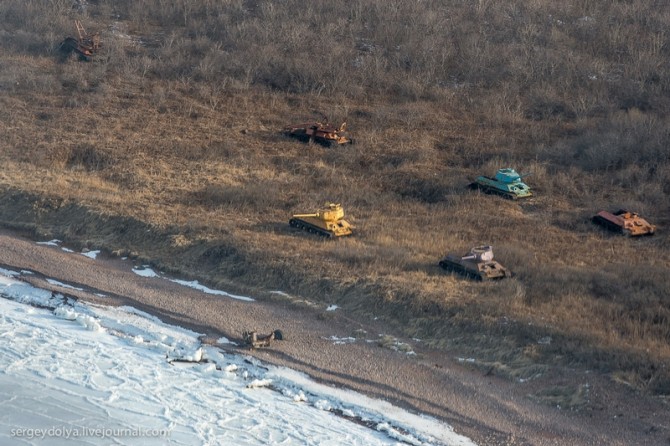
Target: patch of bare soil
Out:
[557,408]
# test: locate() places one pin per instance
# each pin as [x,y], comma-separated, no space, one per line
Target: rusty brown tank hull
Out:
[490,270]
[71,45]
[624,222]
[324,134]
[85,46]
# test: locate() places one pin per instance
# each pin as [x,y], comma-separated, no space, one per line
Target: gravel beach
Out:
[335,349]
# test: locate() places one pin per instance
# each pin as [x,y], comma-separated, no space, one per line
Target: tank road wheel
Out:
[448,267]
[296,224]
[506,195]
[499,193]
[488,191]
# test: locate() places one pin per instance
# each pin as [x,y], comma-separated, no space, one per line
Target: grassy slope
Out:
[100,153]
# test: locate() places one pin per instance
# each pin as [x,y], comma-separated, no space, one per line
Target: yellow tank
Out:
[328,221]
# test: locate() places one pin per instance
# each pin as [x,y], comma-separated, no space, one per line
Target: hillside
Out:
[168,147]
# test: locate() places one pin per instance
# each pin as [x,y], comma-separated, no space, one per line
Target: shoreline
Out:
[485,408]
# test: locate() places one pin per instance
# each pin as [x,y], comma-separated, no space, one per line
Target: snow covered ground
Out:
[73,373]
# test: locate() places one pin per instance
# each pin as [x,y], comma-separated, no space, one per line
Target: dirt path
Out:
[488,409]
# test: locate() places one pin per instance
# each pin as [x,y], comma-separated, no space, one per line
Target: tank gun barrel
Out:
[305,215]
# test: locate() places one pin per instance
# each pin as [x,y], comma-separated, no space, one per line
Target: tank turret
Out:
[328,221]
[480,254]
[478,264]
[506,182]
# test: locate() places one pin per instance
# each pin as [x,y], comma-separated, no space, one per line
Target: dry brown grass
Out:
[175,128]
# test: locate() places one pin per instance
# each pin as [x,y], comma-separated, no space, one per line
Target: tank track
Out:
[299,224]
[310,139]
[493,191]
[457,268]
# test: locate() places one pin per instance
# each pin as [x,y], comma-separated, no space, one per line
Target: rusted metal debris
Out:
[255,340]
[85,46]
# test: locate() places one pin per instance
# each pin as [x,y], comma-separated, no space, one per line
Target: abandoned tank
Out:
[328,221]
[506,183]
[477,264]
[625,222]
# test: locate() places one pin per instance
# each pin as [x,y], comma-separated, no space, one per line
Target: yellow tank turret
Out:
[328,221]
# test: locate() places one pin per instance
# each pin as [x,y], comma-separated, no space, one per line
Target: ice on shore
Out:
[145,271]
[58,372]
[91,254]
[196,285]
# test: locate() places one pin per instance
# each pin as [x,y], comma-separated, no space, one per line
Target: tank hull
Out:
[624,222]
[328,221]
[491,186]
[318,226]
[324,134]
[490,270]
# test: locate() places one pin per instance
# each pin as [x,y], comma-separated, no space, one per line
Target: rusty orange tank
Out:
[324,134]
[626,222]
